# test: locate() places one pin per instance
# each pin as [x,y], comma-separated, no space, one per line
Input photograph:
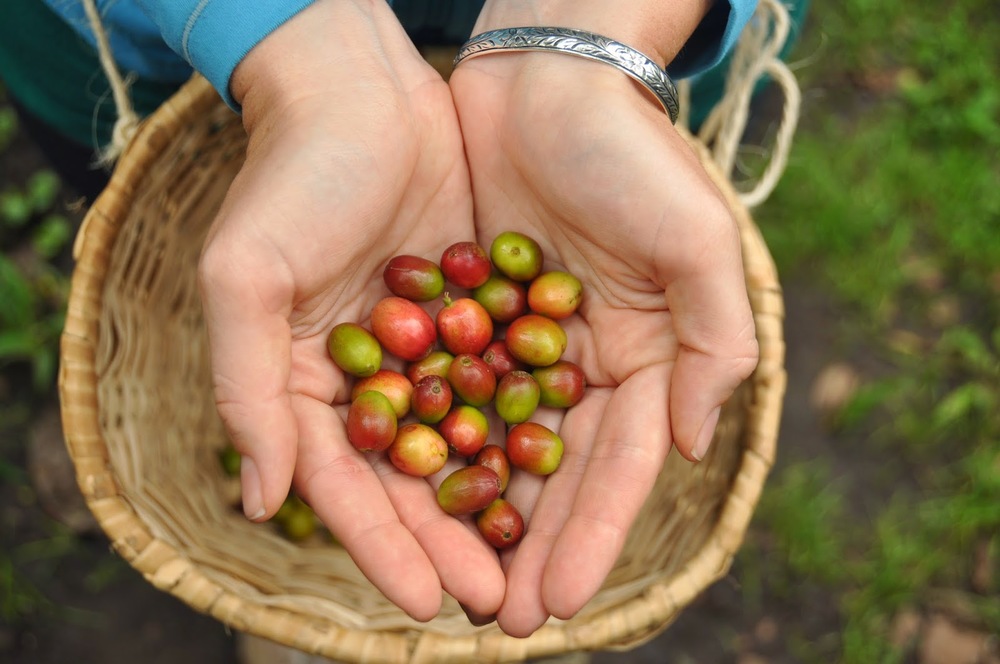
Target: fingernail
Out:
[704,439]
[253,500]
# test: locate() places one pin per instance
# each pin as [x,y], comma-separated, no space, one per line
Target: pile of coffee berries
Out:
[495,350]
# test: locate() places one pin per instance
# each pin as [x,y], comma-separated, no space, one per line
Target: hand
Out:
[355,155]
[576,155]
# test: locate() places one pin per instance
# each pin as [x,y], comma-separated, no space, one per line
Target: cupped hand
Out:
[576,155]
[354,156]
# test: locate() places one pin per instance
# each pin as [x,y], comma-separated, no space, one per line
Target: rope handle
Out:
[127,123]
[757,54]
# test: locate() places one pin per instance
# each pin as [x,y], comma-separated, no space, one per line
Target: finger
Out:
[250,346]
[523,611]
[346,493]
[714,326]
[546,503]
[628,453]
[467,567]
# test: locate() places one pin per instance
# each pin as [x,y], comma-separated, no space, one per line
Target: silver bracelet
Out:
[584,44]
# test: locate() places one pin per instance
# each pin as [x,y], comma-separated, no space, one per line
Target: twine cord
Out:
[127,122]
[757,54]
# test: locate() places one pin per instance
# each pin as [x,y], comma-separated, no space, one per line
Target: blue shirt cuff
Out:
[215,35]
[713,39]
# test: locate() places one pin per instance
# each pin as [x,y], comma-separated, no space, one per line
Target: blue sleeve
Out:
[215,35]
[714,37]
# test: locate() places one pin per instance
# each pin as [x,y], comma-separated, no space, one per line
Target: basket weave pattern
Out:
[142,430]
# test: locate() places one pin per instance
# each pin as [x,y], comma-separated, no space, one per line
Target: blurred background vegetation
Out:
[888,220]
[891,208]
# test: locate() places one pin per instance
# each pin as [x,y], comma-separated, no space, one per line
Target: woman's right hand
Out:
[355,155]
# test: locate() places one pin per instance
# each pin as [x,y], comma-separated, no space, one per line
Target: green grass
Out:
[891,204]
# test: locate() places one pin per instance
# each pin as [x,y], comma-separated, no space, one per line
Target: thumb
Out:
[717,343]
[250,344]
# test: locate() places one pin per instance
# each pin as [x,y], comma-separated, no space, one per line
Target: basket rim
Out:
[626,625]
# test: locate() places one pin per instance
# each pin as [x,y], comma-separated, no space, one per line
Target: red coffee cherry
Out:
[472,380]
[465,264]
[465,428]
[494,458]
[467,490]
[403,328]
[371,422]
[413,278]
[500,524]
[464,326]
[562,384]
[431,399]
[534,448]
[498,358]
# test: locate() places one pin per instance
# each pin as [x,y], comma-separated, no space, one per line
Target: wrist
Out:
[657,28]
[324,50]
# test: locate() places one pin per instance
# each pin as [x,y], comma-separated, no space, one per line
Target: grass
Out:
[891,205]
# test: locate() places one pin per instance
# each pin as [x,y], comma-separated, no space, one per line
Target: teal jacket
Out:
[163,40]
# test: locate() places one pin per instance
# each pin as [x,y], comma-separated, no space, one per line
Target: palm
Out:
[586,166]
[319,207]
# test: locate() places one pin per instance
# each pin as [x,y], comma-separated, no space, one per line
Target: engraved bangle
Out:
[581,43]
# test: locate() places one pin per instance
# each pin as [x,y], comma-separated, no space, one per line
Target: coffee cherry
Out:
[536,340]
[431,399]
[494,458]
[371,422]
[562,384]
[435,364]
[534,448]
[392,384]
[516,397]
[301,524]
[403,328]
[231,461]
[465,428]
[418,450]
[500,524]
[354,349]
[555,294]
[464,326]
[290,505]
[472,380]
[413,278]
[498,358]
[503,298]
[467,490]
[516,255]
[465,264]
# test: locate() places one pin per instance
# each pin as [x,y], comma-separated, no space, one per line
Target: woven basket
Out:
[143,432]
